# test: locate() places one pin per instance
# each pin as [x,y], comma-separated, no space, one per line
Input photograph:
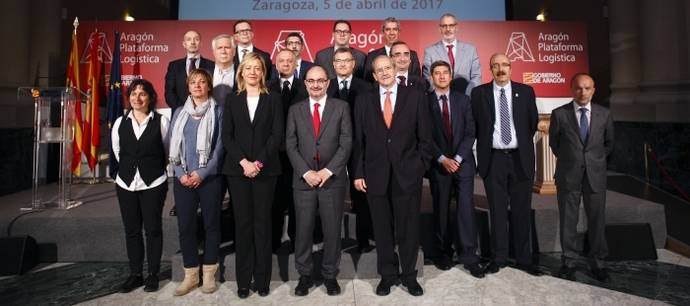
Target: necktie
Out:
[316,120]
[505,119]
[403,80]
[244,52]
[344,93]
[451,57]
[388,109]
[584,124]
[285,91]
[445,112]
[192,65]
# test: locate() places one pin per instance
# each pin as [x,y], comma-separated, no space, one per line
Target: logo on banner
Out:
[543,78]
[518,48]
[279,44]
[105,54]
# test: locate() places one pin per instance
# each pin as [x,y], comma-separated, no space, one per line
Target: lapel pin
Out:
[516,95]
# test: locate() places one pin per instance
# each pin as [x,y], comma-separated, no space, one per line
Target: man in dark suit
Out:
[318,142]
[391,34]
[342,31]
[392,151]
[400,53]
[176,91]
[506,117]
[294,42]
[581,137]
[292,90]
[347,87]
[244,37]
[453,170]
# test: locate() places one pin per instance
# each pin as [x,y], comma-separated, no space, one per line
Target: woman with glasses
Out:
[252,133]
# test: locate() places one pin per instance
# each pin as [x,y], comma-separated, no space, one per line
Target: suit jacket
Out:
[405,148]
[357,87]
[176,91]
[324,58]
[575,157]
[303,67]
[298,92]
[417,82]
[333,145]
[369,69]
[263,54]
[463,127]
[254,140]
[525,118]
[467,72]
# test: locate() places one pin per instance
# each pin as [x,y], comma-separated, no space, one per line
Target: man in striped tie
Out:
[506,119]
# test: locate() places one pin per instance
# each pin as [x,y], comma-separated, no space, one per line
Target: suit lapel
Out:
[455,118]
[244,109]
[596,118]
[459,50]
[326,117]
[515,101]
[260,109]
[306,117]
[489,91]
[400,103]
[573,121]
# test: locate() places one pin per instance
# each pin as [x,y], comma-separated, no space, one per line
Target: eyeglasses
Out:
[497,65]
[245,31]
[447,26]
[341,32]
[383,70]
[317,81]
[342,61]
[290,43]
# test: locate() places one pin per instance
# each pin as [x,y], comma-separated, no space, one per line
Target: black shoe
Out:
[475,269]
[384,287]
[567,273]
[494,267]
[134,281]
[305,282]
[173,211]
[601,274]
[151,283]
[444,263]
[243,293]
[529,269]
[262,291]
[332,287]
[413,287]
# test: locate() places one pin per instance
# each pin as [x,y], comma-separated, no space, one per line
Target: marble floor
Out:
[661,282]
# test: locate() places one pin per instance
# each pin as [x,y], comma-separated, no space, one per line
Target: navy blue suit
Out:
[443,183]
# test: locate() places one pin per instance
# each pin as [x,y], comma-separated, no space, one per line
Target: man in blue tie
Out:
[581,137]
[506,117]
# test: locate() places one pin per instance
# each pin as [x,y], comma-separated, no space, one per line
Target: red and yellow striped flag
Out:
[92,134]
[73,82]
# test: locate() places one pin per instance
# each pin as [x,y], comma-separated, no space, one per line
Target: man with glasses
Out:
[347,87]
[391,34]
[318,142]
[401,54]
[244,37]
[392,151]
[342,32]
[462,57]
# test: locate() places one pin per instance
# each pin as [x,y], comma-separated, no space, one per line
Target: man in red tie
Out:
[453,169]
[318,143]
[462,57]
[392,150]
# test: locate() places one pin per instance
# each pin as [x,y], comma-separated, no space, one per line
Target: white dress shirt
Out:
[189,61]
[250,48]
[138,183]
[382,97]
[252,103]
[340,82]
[224,76]
[588,113]
[405,74]
[289,79]
[455,47]
[497,143]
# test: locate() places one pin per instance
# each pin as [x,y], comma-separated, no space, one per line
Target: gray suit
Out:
[331,150]
[581,172]
[467,72]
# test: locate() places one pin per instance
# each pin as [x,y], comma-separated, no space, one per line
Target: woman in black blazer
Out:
[252,134]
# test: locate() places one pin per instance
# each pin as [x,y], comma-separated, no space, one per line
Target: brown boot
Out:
[191,281]
[208,274]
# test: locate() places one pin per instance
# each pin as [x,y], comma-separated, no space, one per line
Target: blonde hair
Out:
[241,84]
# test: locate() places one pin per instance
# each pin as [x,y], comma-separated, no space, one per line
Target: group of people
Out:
[287,140]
